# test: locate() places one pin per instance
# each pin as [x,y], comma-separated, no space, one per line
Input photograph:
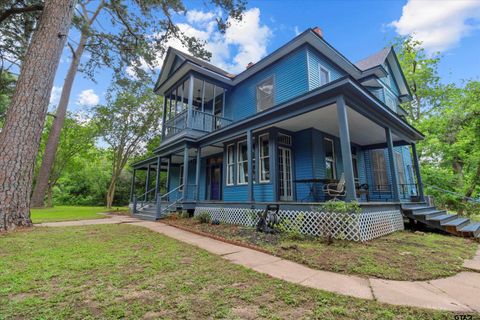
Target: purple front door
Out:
[214,179]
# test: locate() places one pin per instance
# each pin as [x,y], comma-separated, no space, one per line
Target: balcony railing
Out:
[196,120]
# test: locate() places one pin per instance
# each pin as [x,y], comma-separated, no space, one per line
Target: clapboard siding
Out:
[290,80]
[315,59]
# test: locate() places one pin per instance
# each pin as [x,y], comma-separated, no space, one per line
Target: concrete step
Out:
[443,218]
[407,206]
[429,213]
[472,229]
[458,223]
[143,216]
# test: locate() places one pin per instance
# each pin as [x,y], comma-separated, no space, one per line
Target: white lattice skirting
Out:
[355,227]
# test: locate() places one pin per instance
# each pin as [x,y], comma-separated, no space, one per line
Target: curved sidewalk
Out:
[460,293]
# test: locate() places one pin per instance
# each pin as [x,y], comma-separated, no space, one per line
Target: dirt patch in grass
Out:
[399,256]
[125,271]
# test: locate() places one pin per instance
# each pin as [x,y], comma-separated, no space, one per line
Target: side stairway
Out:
[149,211]
[440,219]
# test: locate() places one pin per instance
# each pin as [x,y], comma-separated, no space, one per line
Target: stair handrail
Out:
[171,191]
[136,199]
[456,194]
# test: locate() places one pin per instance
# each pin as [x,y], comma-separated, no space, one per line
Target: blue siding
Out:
[303,163]
[315,59]
[390,81]
[263,193]
[290,80]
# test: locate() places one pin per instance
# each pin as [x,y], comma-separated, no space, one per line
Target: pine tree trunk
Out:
[20,137]
[48,159]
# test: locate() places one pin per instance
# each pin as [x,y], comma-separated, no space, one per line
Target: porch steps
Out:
[441,220]
[149,212]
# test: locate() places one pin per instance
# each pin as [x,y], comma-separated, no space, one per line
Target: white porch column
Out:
[185,173]
[393,165]
[346,149]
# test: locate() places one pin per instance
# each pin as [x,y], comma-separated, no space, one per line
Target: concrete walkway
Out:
[460,293]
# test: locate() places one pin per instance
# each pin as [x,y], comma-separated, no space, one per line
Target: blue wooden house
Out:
[279,132]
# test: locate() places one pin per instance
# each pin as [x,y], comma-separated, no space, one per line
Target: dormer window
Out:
[324,75]
[265,94]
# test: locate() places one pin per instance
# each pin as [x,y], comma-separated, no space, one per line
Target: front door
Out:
[214,178]
[285,174]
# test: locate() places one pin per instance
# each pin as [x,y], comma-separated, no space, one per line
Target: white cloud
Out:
[195,16]
[243,42]
[88,98]
[440,25]
[55,95]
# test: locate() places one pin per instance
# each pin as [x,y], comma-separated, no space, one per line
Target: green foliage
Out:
[292,228]
[448,115]
[339,206]
[203,217]
[7,87]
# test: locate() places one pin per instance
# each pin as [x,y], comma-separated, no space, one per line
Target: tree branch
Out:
[9,12]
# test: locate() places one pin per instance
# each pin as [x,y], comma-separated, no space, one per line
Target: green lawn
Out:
[398,256]
[64,213]
[125,271]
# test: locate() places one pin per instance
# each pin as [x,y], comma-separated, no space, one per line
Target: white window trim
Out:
[320,67]
[333,157]
[231,164]
[263,157]
[273,92]
[238,162]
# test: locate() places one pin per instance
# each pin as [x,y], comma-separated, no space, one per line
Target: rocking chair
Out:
[336,189]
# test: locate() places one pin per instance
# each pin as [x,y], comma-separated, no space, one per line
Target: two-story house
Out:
[300,119]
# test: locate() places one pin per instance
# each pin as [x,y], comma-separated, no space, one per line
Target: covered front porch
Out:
[288,162]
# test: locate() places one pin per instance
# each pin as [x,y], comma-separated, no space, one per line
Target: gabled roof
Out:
[378,60]
[372,65]
[374,60]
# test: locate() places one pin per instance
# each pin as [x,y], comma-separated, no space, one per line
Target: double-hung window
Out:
[264,158]
[380,170]
[324,75]
[230,165]
[265,94]
[330,159]
[242,162]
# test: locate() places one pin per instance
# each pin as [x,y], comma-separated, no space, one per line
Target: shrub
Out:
[292,229]
[204,217]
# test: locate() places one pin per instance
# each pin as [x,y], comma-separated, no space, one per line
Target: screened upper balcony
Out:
[194,104]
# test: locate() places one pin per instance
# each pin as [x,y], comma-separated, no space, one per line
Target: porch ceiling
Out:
[363,131]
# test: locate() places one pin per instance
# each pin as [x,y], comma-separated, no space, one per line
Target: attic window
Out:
[265,94]
[324,75]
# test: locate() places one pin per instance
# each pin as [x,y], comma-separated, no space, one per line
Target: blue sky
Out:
[355,28]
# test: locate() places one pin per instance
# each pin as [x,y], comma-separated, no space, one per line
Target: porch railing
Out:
[197,120]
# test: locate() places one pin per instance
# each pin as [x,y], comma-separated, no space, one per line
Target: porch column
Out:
[197,174]
[147,183]
[168,175]
[185,173]
[274,164]
[132,187]
[157,177]
[393,165]
[190,102]
[164,116]
[417,172]
[250,166]
[346,149]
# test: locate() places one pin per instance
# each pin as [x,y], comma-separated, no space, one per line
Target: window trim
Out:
[260,157]
[334,161]
[320,67]
[232,145]
[273,92]
[238,162]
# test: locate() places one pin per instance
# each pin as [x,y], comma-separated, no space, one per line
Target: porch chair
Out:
[336,189]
